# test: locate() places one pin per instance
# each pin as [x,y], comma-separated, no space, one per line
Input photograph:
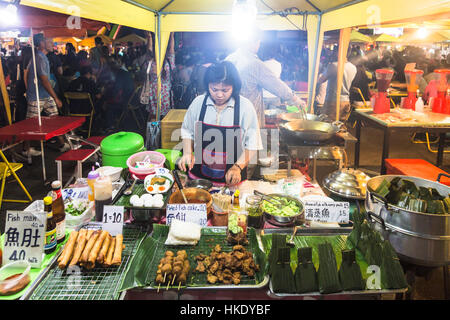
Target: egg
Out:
[146,196]
[158,203]
[139,202]
[148,202]
[133,199]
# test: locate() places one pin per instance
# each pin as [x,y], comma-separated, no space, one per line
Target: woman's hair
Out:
[223,72]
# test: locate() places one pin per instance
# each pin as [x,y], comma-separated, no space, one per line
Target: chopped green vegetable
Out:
[288,208]
[76,209]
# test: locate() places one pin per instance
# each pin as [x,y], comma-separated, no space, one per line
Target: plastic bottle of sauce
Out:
[50,233]
[91,178]
[59,214]
[103,195]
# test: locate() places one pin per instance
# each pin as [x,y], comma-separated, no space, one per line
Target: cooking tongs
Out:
[268,198]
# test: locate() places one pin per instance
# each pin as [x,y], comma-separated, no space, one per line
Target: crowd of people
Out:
[270,73]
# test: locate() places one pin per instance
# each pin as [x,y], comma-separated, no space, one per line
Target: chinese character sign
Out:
[195,213]
[24,237]
[327,211]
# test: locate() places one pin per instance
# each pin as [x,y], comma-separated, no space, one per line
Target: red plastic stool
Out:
[95,140]
[415,168]
[78,155]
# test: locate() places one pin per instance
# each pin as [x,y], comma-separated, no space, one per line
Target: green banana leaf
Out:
[142,271]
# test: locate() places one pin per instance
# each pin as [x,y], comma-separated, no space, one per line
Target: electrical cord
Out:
[288,11]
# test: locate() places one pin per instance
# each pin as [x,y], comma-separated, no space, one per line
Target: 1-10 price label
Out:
[113,219]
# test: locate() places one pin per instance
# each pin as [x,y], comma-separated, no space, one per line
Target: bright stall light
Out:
[243,19]
[422,33]
[8,15]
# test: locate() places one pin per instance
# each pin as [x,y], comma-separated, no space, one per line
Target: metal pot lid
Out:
[347,183]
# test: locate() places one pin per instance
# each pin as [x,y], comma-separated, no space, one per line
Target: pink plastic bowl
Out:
[156,158]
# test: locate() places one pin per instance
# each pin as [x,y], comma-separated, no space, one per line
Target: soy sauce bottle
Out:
[50,232]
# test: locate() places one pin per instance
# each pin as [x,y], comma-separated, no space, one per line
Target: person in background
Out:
[269,53]
[70,59]
[56,69]
[166,80]
[256,76]
[83,60]
[361,81]
[329,107]
[85,83]
[48,100]
[96,53]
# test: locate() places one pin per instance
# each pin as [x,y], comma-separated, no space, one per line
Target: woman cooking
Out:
[220,131]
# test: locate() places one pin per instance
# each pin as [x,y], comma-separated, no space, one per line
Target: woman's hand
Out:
[187,159]
[233,176]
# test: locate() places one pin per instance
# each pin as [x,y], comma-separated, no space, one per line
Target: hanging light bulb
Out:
[8,15]
[243,18]
[422,33]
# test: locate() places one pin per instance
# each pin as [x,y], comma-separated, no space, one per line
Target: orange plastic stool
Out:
[415,168]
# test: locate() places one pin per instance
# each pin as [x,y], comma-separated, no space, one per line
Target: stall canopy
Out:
[54,24]
[134,38]
[356,36]
[314,16]
[90,41]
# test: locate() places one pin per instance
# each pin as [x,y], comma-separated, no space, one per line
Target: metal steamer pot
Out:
[418,238]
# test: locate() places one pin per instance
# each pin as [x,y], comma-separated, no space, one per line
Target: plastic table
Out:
[29,130]
[427,122]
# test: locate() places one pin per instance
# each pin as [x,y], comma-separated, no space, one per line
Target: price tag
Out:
[113,219]
[195,212]
[75,193]
[24,237]
[327,211]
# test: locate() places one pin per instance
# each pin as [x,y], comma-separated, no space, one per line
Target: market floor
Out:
[430,287]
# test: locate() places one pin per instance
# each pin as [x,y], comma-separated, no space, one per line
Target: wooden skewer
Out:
[164,277]
[173,279]
[179,286]
[168,283]
[159,285]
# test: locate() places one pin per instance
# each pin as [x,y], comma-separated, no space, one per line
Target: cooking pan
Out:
[300,116]
[308,130]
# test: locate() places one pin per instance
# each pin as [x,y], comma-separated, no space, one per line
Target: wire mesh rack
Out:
[99,283]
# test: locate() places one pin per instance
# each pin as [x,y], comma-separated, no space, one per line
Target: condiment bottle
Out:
[59,213]
[103,195]
[50,233]
[92,177]
[236,205]
[419,103]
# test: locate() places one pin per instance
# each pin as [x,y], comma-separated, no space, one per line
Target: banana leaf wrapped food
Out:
[282,276]
[349,273]
[328,274]
[278,241]
[305,275]
[392,274]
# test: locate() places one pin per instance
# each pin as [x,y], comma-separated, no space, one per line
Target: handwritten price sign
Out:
[327,211]
[25,237]
[195,213]
[113,219]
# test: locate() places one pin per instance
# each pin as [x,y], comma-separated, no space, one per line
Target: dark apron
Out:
[216,160]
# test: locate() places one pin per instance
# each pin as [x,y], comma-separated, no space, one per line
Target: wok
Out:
[308,130]
[299,116]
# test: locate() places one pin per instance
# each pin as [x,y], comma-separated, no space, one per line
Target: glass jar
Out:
[255,214]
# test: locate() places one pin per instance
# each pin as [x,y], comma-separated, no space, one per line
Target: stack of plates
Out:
[347,183]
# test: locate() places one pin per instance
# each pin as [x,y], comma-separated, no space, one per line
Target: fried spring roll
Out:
[68,250]
[104,251]
[89,246]
[109,257]
[90,264]
[89,233]
[81,243]
[118,251]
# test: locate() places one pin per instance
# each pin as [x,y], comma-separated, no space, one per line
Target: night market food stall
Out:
[287,239]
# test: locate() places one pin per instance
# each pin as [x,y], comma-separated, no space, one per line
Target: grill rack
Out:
[99,283]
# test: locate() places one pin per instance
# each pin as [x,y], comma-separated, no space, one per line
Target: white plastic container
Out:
[112,172]
[21,267]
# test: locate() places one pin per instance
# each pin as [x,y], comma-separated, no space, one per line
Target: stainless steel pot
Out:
[418,238]
[286,221]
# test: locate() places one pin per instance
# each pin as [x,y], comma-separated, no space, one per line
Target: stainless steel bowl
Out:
[286,221]
[199,183]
